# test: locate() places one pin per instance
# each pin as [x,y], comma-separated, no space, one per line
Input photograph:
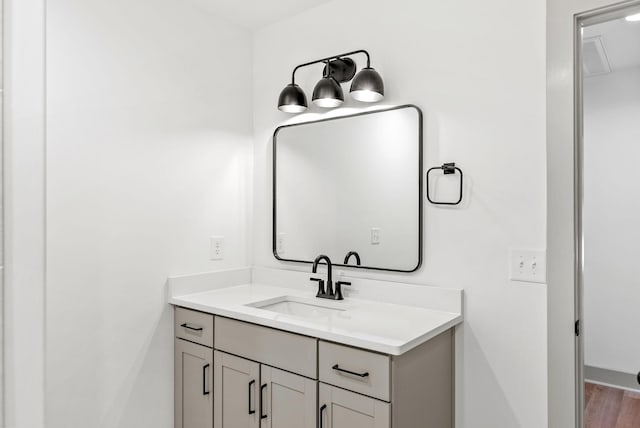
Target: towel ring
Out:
[447,168]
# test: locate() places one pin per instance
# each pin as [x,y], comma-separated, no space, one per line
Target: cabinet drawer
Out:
[194,326]
[355,369]
[288,351]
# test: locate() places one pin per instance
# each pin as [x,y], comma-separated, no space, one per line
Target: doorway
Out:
[608,180]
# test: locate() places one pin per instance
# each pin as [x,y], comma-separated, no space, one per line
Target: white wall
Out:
[24,149]
[149,153]
[478,71]
[610,221]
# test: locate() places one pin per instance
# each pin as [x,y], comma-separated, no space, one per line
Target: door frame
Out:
[582,20]
[564,200]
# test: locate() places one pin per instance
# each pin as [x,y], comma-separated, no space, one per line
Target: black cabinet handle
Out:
[204,379]
[337,368]
[251,411]
[322,409]
[185,325]
[262,388]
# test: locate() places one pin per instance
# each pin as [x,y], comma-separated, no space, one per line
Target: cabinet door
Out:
[288,400]
[340,408]
[236,392]
[193,383]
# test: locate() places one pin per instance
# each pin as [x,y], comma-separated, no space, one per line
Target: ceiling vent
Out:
[594,57]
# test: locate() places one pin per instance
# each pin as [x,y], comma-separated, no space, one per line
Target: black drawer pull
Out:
[322,409]
[337,368]
[185,325]
[204,379]
[251,411]
[262,388]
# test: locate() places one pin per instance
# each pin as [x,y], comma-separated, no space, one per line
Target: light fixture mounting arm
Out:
[328,60]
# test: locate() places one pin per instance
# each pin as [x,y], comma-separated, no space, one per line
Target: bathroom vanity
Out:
[261,348]
[255,348]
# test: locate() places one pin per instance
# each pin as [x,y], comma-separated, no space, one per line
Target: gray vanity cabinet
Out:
[236,392]
[361,388]
[193,384]
[340,408]
[193,364]
[234,374]
[263,377]
[249,394]
[289,400]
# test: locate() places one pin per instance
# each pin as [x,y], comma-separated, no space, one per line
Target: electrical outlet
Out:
[375,235]
[528,265]
[216,251]
[281,243]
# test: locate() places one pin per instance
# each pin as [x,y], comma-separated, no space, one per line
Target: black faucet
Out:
[329,293]
[348,256]
[321,293]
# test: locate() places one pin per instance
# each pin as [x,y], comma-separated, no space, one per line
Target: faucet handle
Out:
[320,285]
[338,291]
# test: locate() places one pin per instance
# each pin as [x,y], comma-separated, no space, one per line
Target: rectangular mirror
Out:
[350,184]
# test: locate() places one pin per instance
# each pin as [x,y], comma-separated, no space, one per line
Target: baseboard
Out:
[612,378]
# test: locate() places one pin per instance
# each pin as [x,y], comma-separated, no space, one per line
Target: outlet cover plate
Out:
[375,236]
[216,251]
[281,243]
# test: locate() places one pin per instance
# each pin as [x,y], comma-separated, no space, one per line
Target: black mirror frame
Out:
[419,178]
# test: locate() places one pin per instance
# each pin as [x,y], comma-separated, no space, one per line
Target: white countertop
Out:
[388,328]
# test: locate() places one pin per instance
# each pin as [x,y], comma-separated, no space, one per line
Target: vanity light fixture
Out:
[292,99]
[366,86]
[327,93]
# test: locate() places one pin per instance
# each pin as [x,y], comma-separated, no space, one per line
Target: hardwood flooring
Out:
[606,407]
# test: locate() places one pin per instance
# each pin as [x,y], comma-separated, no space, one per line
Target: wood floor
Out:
[606,407]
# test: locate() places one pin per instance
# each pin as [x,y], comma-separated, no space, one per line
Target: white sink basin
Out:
[295,306]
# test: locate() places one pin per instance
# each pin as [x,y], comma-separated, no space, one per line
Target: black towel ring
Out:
[447,168]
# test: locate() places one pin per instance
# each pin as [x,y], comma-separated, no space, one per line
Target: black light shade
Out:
[292,99]
[367,86]
[328,93]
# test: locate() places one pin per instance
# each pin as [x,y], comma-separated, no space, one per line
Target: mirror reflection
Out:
[349,187]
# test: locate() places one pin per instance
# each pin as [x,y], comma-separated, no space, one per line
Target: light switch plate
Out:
[528,265]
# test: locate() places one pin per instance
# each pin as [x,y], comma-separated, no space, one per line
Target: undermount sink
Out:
[293,306]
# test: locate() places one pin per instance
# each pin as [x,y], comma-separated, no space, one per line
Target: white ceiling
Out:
[621,40]
[253,14]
